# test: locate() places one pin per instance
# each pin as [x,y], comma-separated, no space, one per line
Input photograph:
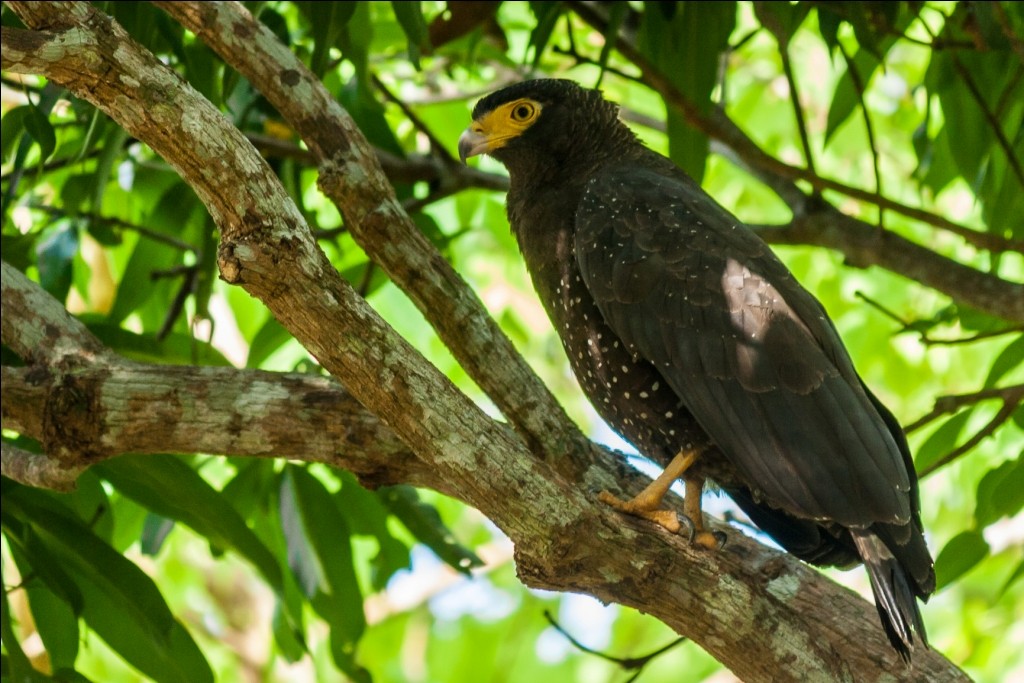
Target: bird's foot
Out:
[712,540]
[671,521]
[667,519]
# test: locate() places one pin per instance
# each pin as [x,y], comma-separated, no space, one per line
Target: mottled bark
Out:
[763,614]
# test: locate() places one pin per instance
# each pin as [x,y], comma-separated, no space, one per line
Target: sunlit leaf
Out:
[336,596]
[269,339]
[942,440]
[410,18]
[120,602]
[38,125]
[1000,492]
[169,487]
[368,516]
[963,552]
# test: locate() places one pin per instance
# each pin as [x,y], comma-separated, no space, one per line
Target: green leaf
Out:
[1000,492]
[56,623]
[547,14]
[251,486]
[355,46]
[424,522]
[846,99]
[137,284]
[55,258]
[155,531]
[686,48]
[16,664]
[1013,578]
[301,557]
[11,127]
[120,603]
[617,14]
[366,515]
[828,26]
[782,19]
[942,440]
[167,486]
[269,339]
[175,348]
[34,559]
[337,597]
[410,18]
[328,22]
[38,125]
[285,636]
[961,554]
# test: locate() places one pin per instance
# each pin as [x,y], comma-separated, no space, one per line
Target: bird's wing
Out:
[749,352]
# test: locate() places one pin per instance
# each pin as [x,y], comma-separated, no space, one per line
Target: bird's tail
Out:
[895,599]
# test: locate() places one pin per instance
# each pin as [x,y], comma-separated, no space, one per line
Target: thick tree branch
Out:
[351,177]
[746,594]
[764,614]
[863,244]
[183,409]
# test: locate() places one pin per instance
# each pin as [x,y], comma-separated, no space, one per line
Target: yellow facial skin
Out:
[495,128]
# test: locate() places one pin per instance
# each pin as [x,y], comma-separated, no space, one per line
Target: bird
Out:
[695,343]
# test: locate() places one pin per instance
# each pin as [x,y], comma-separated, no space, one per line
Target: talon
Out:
[691,528]
[712,540]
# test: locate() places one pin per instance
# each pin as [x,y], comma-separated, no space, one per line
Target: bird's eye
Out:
[523,112]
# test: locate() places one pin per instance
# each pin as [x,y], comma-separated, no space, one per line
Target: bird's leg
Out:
[692,509]
[646,503]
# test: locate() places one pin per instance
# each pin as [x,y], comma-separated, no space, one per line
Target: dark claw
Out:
[721,537]
[690,527]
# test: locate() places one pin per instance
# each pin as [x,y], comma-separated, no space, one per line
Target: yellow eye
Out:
[523,112]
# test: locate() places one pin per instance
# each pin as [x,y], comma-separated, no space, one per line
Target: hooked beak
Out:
[473,141]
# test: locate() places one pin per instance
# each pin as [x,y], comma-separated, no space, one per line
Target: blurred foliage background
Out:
[193,567]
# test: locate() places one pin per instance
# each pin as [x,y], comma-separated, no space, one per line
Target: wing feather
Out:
[750,352]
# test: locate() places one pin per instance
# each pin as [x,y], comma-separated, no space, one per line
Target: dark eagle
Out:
[695,343]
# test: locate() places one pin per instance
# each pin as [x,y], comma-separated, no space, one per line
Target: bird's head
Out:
[548,123]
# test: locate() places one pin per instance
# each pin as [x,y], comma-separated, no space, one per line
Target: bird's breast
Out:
[626,390]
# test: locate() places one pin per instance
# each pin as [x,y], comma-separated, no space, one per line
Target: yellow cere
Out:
[506,121]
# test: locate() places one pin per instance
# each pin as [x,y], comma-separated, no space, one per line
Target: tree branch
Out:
[863,245]
[352,179]
[764,614]
[746,594]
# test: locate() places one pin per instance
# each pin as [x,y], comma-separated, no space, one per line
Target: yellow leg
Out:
[692,508]
[646,503]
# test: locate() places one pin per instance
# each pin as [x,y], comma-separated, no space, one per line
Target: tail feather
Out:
[895,600]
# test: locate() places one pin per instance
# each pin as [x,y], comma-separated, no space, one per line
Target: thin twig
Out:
[627,663]
[912,326]
[945,405]
[794,98]
[436,146]
[1004,414]
[121,224]
[858,84]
